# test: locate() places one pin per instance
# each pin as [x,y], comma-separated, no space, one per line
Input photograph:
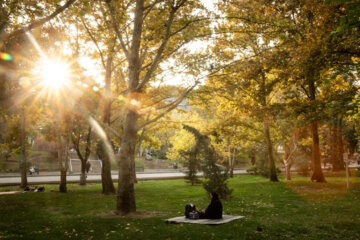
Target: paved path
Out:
[141,176]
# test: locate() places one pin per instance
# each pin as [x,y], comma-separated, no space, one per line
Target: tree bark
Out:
[83,159]
[288,171]
[231,159]
[63,150]
[83,172]
[272,168]
[287,161]
[106,179]
[317,175]
[317,171]
[23,166]
[338,163]
[62,145]
[63,187]
[333,147]
[126,194]
[83,178]
[266,122]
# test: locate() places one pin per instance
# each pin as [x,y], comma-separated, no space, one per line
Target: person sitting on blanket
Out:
[214,210]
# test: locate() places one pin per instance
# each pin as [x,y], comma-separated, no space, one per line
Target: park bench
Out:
[139,168]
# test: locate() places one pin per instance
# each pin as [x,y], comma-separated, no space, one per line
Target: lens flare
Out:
[6,56]
[103,136]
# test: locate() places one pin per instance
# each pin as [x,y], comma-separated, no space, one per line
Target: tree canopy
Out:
[264,83]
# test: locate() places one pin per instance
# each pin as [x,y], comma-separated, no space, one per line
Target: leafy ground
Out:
[287,210]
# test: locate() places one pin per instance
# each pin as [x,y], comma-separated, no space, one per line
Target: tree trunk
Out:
[63,187]
[288,171]
[339,163]
[23,166]
[83,173]
[272,167]
[231,159]
[317,171]
[311,75]
[333,147]
[287,162]
[63,147]
[126,195]
[63,151]
[232,165]
[83,159]
[106,179]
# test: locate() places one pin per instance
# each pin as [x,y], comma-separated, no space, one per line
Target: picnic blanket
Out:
[224,219]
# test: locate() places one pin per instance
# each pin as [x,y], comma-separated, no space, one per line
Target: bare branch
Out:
[88,143]
[76,143]
[118,64]
[95,42]
[150,7]
[159,52]
[306,92]
[118,34]
[173,106]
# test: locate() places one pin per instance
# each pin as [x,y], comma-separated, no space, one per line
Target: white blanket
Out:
[224,219]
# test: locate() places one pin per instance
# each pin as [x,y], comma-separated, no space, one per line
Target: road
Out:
[93,178]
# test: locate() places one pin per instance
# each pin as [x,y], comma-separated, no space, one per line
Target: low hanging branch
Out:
[173,105]
[39,22]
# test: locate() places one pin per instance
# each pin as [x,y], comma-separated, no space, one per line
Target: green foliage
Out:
[350,19]
[9,135]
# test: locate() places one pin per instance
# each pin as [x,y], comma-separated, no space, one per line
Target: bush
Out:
[252,170]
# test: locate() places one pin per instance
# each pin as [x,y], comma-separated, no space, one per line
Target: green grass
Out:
[287,210]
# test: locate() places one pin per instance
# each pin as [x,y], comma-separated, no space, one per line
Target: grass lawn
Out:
[298,209]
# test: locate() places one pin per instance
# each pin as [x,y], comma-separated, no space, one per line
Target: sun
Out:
[54,74]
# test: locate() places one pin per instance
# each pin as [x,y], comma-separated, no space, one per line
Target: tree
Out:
[103,34]
[299,33]
[205,153]
[314,52]
[63,145]
[83,155]
[250,83]
[154,38]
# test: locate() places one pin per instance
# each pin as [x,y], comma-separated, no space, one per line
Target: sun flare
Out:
[54,74]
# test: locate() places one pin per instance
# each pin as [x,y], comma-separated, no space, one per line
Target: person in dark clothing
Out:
[214,210]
